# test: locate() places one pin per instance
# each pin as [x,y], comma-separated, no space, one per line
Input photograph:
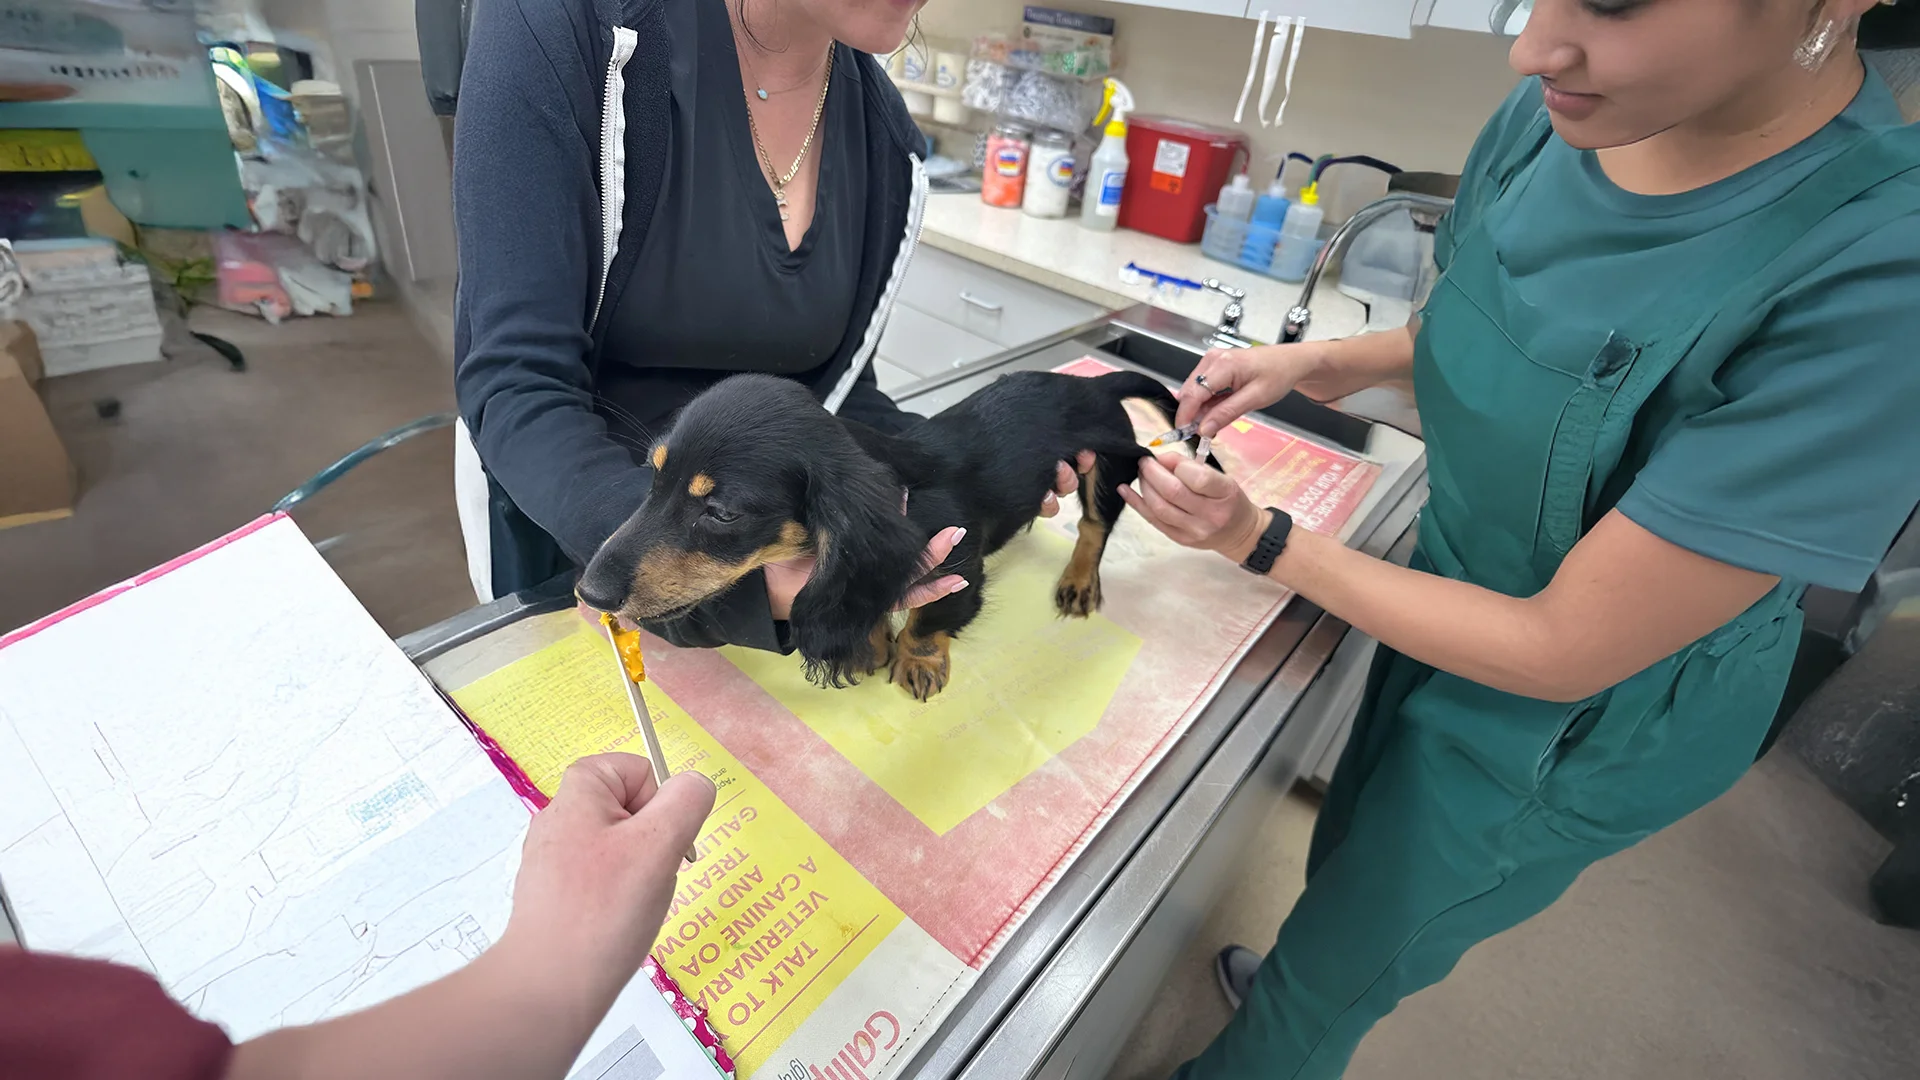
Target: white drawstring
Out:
[1275,49]
[1293,61]
[1253,66]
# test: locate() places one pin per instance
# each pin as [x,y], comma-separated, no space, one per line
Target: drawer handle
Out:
[983,305]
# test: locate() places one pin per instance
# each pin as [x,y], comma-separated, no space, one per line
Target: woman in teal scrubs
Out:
[1668,379]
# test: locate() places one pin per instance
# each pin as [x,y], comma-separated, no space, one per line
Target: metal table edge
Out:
[450,633]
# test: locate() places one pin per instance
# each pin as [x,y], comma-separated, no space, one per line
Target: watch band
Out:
[1272,542]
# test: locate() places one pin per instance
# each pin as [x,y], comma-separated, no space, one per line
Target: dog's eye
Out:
[721,515]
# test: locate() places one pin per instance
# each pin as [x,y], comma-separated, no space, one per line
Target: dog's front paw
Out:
[921,665]
[1077,596]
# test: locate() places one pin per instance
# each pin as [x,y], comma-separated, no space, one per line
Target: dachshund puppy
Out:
[755,471]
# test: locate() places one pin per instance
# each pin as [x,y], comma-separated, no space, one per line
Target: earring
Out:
[1812,52]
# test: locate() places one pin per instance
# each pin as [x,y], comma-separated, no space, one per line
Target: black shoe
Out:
[1235,968]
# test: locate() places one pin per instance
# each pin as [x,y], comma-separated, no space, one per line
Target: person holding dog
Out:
[1666,383]
[651,196]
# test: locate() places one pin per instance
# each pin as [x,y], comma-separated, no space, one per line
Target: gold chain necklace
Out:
[781,180]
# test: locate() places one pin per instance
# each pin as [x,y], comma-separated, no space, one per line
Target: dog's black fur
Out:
[754,470]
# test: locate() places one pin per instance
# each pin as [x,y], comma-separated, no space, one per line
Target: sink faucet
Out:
[1427,211]
[1227,334]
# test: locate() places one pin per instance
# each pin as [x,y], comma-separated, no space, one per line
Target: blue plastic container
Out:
[1256,243]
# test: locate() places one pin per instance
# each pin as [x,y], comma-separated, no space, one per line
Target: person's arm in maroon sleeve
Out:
[63,1018]
[595,878]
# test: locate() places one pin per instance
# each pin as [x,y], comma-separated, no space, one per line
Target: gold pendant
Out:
[780,200]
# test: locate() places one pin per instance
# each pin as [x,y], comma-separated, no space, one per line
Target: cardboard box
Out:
[36,476]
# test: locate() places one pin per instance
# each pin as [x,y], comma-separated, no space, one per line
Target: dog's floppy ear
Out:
[868,557]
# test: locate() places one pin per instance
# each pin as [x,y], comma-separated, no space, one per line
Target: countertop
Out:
[1061,255]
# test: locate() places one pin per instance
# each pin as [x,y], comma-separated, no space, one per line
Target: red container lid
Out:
[1187,129]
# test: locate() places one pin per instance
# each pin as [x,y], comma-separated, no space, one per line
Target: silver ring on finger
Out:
[1216,391]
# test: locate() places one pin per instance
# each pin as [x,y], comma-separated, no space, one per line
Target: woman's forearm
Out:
[1466,630]
[1350,365]
[1622,599]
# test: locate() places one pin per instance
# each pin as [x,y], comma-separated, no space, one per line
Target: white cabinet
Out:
[986,302]
[892,377]
[927,346]
[952,311]
[1204,7]
[1462,15]
[1388,18]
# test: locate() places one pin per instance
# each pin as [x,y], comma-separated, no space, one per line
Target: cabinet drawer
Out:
[892,376]
[926,346]
[986,302]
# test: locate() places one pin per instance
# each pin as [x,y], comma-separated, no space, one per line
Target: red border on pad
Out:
[693,1016]
[137,580]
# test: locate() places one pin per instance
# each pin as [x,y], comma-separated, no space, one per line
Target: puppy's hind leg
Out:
[1077,594]
[880,646]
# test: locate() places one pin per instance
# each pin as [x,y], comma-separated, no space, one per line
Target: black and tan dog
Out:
[755,471]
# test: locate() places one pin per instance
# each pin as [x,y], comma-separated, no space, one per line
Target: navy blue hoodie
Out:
[559,149]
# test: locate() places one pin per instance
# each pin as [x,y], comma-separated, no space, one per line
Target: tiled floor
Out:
[199,449]
[1734,946]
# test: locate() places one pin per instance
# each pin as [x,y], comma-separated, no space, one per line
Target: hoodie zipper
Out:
[883,310]
[613,160]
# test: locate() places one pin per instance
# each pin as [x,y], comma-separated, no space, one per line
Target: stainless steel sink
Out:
[1142,336]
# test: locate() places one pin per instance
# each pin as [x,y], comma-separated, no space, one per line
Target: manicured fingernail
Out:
[959,535]
[961,584]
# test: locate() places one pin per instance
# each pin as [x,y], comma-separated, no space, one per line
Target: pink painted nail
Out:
[963,584]
[959,535]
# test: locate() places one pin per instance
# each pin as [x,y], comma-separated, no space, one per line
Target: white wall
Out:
[368,30]
[1417,103]
[339,32]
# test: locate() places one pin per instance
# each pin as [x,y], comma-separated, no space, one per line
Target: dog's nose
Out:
[600,593]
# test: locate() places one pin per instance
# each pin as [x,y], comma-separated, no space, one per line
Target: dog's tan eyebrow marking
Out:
[701,485]
[660,456]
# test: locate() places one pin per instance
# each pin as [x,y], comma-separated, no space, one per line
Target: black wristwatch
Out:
[1271,544]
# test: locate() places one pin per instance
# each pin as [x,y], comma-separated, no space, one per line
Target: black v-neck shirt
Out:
[716,287]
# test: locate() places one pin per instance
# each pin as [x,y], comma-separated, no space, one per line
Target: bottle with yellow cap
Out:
[1107,172]
[1299,236]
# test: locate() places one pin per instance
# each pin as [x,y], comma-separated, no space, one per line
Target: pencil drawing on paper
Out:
[290,824]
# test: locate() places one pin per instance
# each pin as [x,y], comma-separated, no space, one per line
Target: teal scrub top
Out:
[1795,449]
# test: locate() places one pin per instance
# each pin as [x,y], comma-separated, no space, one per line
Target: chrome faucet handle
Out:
[1230,315]
[1214,284]
[1296,325]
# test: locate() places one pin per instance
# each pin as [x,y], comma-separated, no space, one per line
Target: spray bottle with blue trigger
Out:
[1107,172]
